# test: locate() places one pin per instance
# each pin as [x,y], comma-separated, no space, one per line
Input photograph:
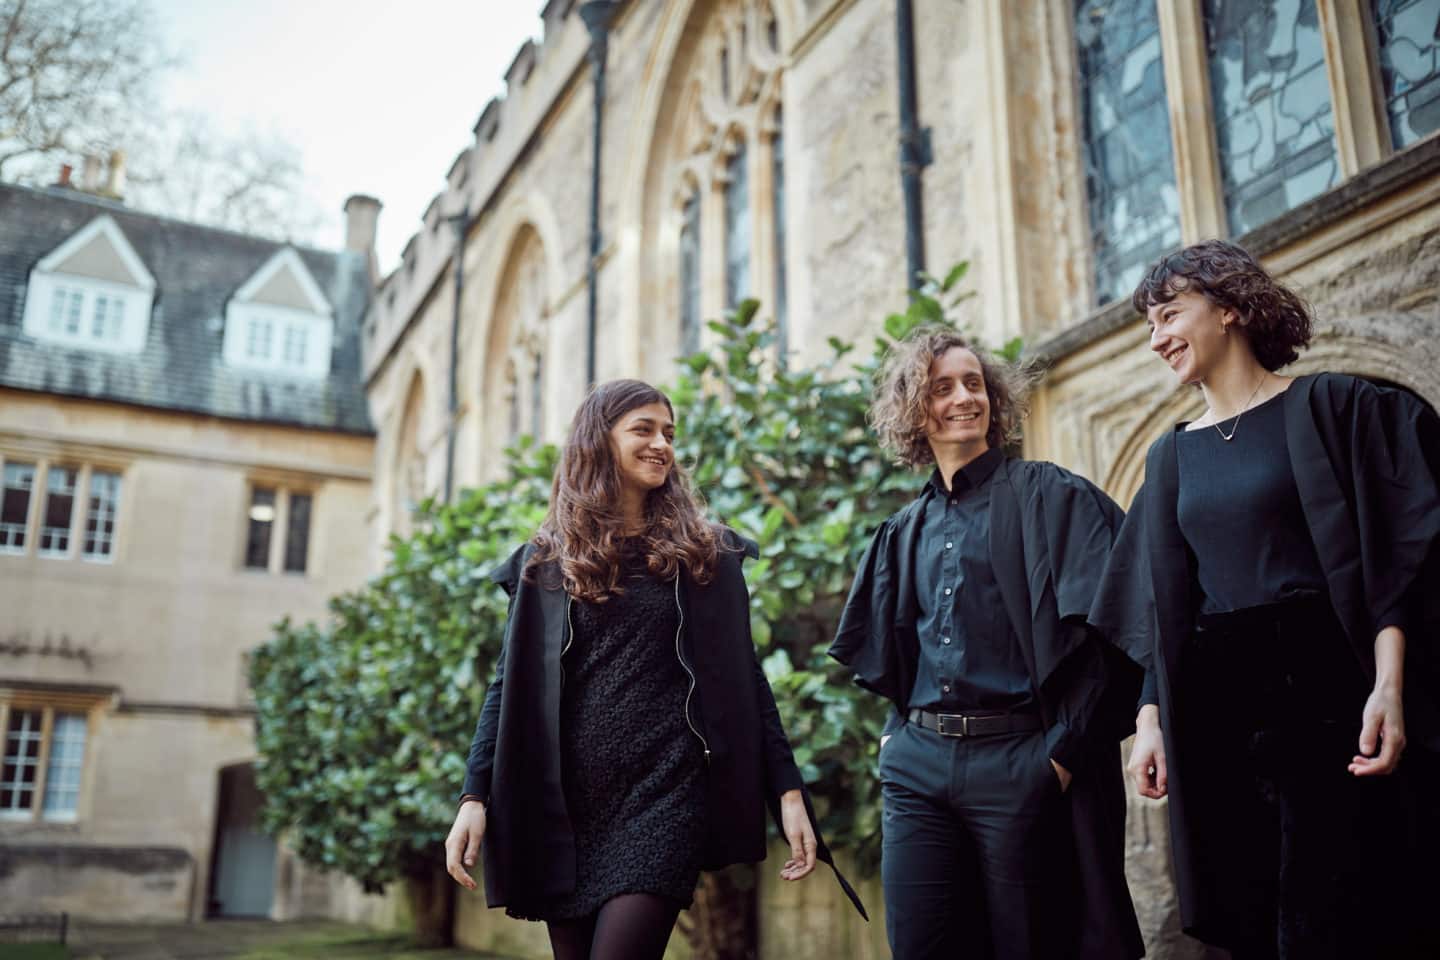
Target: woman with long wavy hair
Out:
[1277,577]
[630,739]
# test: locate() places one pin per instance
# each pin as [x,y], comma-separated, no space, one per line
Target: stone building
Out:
[750,147]
[186,453]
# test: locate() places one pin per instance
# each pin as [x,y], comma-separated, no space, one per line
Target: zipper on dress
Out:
[681,657]
[570,626]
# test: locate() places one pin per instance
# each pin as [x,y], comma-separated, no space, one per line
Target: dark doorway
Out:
[242,876]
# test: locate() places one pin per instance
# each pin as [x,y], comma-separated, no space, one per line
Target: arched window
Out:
[690,274]
[737,227]
[515,395]
[726,177]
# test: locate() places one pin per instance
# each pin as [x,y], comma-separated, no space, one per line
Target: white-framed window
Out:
[58,514]
[87,313]
[77,502]
[92,292]
[15,497]
[259,331]
[296,336]
[100,516]
[278,517]
[43,769]
[280,321]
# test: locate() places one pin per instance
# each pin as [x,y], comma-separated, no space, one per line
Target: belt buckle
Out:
[945,730]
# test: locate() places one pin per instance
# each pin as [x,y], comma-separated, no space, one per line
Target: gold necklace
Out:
[1253,393]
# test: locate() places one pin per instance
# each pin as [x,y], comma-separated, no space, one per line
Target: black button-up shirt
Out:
[970,657]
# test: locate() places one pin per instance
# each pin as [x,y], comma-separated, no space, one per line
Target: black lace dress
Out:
[633,769]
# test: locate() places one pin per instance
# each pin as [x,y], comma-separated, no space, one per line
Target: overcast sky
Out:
[378,96]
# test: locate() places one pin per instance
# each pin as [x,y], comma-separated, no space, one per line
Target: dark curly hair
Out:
[1275,319]
[899,405]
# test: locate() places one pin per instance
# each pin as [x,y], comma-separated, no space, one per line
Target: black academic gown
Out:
[514,761]
[1367,466]
[1050,532]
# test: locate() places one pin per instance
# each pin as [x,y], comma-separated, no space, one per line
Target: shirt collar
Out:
[971,476]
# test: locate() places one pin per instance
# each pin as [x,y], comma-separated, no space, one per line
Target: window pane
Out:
[22,752]
[97,323]
[1274,126]
[295,337]
[297,537]
[257,344]
[1129,161]
[15,505]
[74,301]
[62,774]
[59,510]
[777,178]
[690,275]
[737,228]
[1408,32]
[100,517]
[537,396]
[262,522]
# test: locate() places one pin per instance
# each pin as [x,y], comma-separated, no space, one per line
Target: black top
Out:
[970,658]
[1240,513]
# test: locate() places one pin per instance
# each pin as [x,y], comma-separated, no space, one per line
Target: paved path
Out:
[235,938]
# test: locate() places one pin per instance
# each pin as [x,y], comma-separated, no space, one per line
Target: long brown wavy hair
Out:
[1274,318]
[585,525]
[899,407]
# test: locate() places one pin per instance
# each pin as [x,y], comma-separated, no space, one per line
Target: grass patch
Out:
[34,951]
[357,945]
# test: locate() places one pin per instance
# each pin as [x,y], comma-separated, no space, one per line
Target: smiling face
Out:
[958,408]
[642,440]
[1188,334]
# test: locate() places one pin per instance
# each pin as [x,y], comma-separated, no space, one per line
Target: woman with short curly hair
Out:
[1276,576]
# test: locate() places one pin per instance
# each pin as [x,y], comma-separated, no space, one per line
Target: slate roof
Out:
[197,269]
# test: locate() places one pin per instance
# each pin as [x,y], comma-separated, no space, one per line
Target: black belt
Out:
[973,725]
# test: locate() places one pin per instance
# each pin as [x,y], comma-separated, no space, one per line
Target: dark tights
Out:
[632,926]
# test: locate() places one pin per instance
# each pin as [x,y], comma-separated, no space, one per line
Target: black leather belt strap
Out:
[973,725]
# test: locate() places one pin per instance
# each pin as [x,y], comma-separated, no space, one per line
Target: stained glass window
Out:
[1129,163]
[690,275]
[737,228]
[1273,123]
[1408,32]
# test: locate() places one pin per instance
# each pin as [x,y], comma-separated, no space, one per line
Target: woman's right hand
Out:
[1147,755]
[463,843]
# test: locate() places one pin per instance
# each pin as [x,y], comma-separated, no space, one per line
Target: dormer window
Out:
[92,292]
[279,320]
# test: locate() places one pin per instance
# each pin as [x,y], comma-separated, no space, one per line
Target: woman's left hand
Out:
[799,834]
[1383,724]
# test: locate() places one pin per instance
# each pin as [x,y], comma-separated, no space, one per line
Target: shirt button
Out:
[948,545]
[947,591]
[944,639]
[945,689]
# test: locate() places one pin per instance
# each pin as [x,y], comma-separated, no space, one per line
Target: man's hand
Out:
[1065,776]
[464,842]
[799,834]
[1147,755]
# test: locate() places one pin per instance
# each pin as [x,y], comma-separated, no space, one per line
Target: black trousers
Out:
[978,859]
[1301,859]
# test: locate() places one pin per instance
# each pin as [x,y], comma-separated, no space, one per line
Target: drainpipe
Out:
[597,15]
[461,222]
[915,150]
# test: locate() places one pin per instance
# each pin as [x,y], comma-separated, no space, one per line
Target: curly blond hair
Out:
[899,405]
